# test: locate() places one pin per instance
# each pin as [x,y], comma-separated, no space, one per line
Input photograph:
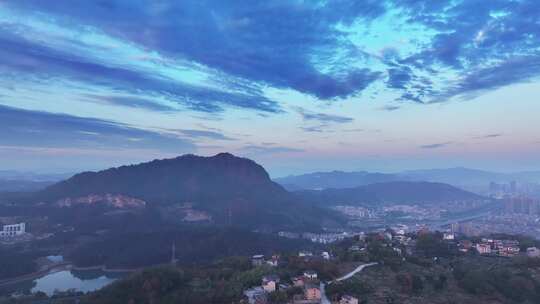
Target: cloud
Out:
[453,48]
[204,134]
[254,149]
[493,43]
[514,70]
[316,129]
[213,147]
[437,145]
[398,78]
[49,130]
[389,108]
[34,60]
[277,43]
[322,117]
[133,102]
[493,135]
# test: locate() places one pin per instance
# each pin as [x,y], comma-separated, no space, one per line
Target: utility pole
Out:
[173,253]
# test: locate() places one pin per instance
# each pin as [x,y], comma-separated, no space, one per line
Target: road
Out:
[324,298]
[357,270]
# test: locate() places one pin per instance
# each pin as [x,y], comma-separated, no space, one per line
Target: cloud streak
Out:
[436,146]
[49,130]
[255,149]
[322,117]
[493,135]
[196,134]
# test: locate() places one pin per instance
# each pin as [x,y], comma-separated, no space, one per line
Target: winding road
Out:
[324,298]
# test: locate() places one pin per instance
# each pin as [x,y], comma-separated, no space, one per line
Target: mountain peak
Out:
[224,186]
[225,155]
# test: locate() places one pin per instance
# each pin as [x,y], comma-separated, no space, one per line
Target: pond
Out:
[74,280]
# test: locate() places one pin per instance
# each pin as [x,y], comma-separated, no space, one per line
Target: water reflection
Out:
[74,280]
[66,280]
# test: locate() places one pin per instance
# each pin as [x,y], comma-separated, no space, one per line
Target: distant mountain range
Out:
[23,185]
[17,181]
[230,189]
[32,177]
[401,192]
[334,179]
[470,179]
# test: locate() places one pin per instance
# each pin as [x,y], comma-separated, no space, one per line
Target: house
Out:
[483,248]
[312,292]
[509,251]
[257,260]
[284,286]
[400,238]
[465,245]
[310,275]
[449,236]
[423,231]
[354,248]
[347,299]
[256,295]
[533,252]
[270,283]
[305,254]
[298,281]
[325,255]
[13,230]
[274,261]
[410,247]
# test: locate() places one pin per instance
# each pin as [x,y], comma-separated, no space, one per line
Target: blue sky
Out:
[296,85]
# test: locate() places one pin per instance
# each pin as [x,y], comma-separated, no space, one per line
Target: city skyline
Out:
[297,86]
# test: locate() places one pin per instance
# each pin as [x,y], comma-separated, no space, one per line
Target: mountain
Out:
[224,188]
[17,181]
[30,176]
[22,185]
[389,193]
[334,179]
[457,175]
[472,176]
[469,179]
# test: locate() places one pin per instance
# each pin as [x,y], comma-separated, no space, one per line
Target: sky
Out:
[298,86]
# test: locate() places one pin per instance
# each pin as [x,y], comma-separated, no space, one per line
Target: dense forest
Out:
[193,245]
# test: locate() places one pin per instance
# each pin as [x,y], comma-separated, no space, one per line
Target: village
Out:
[309,288]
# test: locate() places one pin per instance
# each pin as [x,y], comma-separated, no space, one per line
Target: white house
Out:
[449,236]
[13,230]
[257,260]
[325,255]
[310,274]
